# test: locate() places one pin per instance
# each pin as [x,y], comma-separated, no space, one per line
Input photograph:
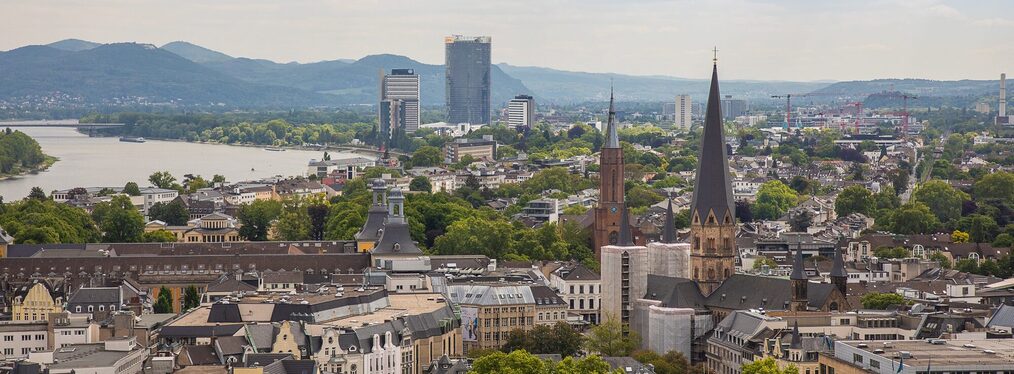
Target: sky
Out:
[796,40]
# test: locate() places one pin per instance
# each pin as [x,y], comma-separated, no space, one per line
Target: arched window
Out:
[711,274]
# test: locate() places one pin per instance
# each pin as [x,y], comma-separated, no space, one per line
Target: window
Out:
[572,288]
[580,289]
[77,309]
[91,308]
[9,338]
[102,308]
[26,338]
[875,364]
[857,358]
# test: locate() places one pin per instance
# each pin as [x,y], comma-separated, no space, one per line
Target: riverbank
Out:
[49,161]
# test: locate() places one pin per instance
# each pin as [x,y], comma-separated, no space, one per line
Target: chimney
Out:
[1003,95]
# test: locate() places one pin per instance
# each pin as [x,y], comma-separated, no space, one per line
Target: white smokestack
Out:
[1003,95]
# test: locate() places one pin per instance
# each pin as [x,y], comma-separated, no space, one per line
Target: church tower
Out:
[800,283]
[609,212]
[712,215]
[839,277]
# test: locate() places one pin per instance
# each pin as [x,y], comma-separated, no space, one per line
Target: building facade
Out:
[521,112]
[35,302]
[469,75]
[682,113]
[399,102]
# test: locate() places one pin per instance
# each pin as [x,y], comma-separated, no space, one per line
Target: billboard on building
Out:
[469,324]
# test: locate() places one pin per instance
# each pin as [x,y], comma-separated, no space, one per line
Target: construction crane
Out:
[904,111]
[788,105]
[859,116]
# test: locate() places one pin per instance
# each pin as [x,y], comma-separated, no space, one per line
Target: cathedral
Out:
[672,293]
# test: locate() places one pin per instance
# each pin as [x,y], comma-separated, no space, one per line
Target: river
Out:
[108,162]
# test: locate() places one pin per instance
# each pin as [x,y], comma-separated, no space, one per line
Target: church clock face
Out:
[613,209]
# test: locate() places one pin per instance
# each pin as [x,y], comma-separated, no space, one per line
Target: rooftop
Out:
[952,353]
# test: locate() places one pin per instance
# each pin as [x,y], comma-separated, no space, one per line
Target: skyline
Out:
[772,40]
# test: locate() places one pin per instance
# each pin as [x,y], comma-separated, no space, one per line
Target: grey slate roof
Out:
[797,267]
[712,187]
[375,218]
[674,292]
[1003,317]
[396,239]
[740,291]
[96,295]
[625,239]
[838,267]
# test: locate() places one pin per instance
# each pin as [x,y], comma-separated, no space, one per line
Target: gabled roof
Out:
[96,295]
[577,272]
[674,292]
[712,187]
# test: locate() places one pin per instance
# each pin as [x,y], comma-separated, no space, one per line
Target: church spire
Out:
[612,138]
[797,265]
[712,186]
[797,341]
[625,239]
[669,231]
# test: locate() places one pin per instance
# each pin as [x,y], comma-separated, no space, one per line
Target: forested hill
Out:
[19,153]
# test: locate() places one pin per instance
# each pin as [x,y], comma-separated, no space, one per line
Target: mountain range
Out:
[187,74]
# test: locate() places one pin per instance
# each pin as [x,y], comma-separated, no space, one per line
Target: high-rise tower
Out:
[468,74]
[609,212]
[712,216]
[399,102]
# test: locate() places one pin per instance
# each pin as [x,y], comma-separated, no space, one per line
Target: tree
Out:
[760,261]
[474,235]
[608,339]
[132,189]
[774,198]
[878,300]
[158,236]
[967,265]
[989,267]
[256,218]
[517,362]
[854,199]
[1003,240]
[37,194]
[959,236]
[743,212]
[996,186]
[34,221]
[941,259]
[420,183]
[801,220]
[942,199]
[888,252]
[217,178]
[318,213]
[173,213]
[119,220]
[162,179]
[641,196]
[980,228]
[911,218]
[427,156]
[191,298]
[768,366]
[164,301]
[590,364]
[561,338]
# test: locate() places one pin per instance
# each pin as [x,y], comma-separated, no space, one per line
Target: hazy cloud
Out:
[775,39]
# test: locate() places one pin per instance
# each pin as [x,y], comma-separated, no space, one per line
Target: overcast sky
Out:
[769,40]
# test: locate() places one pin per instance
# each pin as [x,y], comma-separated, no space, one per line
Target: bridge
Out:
[365,149]
[71,123]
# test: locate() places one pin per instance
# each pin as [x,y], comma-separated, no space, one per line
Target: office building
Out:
[479,149]
[521,112]
[732,108]
[682,112]
[399,102]
[467,61]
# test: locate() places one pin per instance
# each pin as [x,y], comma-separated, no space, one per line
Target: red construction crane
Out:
[858,118]
[904,111]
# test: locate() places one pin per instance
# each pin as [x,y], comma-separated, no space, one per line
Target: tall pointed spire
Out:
[625,239]
[712,185]
[797,265]
[838,265]
[612,138]
[796,341]
[669,231]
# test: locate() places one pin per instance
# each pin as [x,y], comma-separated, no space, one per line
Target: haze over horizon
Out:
[757,40]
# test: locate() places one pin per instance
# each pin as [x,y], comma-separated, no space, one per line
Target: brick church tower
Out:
[712,215]
[609,212]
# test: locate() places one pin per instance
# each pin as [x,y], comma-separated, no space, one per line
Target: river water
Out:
[108,162]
